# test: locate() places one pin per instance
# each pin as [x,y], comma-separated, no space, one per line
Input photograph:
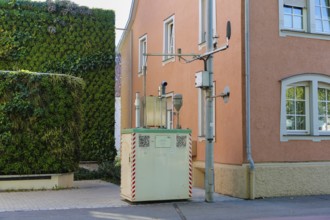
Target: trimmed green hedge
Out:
[40,122]
[61,37]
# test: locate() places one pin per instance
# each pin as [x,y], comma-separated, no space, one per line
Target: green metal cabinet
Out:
[156,164]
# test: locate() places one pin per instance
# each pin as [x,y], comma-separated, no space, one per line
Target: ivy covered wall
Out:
[61,37]
[40,122]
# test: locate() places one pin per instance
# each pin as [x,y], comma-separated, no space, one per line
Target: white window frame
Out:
[309,27]
[168,39]
[142,59]
[203,22]
[313,81]
[201,113]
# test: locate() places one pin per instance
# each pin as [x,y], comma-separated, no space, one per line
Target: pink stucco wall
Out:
[272,59]
[228,69]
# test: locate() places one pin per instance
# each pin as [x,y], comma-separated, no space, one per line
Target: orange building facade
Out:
[272,137]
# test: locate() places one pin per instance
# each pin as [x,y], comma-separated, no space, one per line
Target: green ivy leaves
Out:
[83,45]
[40,122]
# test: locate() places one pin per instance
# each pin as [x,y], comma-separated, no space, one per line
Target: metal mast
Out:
[209,152]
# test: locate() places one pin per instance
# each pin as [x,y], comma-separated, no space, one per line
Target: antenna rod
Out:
[172,54]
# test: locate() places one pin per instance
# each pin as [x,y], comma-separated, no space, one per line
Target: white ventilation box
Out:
[202,79]
[156,164]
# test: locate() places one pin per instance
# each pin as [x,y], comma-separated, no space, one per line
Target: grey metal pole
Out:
[178,120]
[209,152]
[144,95]
[137,110]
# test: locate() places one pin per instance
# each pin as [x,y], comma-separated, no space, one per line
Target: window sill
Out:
[140,74]
[201,45]
[285,138]
[302,33]
[202,138]
[168,60]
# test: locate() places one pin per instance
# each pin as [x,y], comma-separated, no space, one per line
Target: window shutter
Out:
[296,3]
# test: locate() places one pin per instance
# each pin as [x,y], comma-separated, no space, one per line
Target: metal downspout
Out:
[248,101]
[131,79]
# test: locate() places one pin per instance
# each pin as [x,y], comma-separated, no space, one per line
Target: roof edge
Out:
[129,23]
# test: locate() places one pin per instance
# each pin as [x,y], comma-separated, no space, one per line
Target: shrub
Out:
[40,122]
[85,174]
[108,171]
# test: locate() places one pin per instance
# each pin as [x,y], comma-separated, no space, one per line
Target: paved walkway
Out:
[95,200]
[85,194]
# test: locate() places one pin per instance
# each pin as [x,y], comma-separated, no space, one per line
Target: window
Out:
[322,16]
[203,20]
[305,107]
[142,50]
[293,17]
[305,18]
[324,108]
[297,108]
[202,112]
[169,38]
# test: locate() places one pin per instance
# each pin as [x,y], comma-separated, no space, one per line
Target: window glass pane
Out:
[318,12]
[325,13]
[326,26]
[144,50]
[328,96]
[321,94]
[203,21]
[300,93]
[290,109]
[318,25]
[287,10]
[328,112]
[290,123]
[288,21]
[297,11]
[318,2]
[297,22]
[300,108]
[301,123]
[170,38]
[325,2]
[290,93]
[322,124]
[322,108]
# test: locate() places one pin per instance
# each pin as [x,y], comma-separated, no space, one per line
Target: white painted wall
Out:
[117,124]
